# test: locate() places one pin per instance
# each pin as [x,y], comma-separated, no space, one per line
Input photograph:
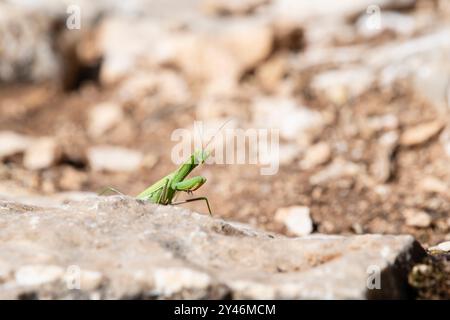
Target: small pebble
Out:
[417,218]
[41,154]
[316,155]
[421,133]
[297,219]
[34,275]
[103,117]
[111,158]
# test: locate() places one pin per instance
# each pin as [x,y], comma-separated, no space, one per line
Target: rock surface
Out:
[118,247]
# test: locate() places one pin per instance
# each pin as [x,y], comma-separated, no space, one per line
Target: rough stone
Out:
[120,247]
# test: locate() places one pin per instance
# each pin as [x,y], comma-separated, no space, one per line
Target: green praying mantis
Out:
[165,190]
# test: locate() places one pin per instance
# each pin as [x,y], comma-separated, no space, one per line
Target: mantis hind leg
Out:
[163,194]
[103,191]
[195,199]
[157,196]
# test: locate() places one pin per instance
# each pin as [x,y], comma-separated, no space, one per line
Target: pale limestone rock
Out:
[149,251]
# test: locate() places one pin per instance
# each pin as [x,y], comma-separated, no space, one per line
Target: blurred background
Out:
[90,92]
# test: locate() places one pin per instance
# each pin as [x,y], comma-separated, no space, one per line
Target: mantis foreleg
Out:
[191,184]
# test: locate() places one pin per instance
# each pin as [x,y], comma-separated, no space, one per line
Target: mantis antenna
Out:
[199,134]
[215,135]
